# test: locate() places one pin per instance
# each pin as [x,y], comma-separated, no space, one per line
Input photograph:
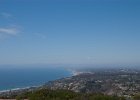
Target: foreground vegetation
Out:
[45,94]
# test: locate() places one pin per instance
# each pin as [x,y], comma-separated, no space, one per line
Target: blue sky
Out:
[69,32]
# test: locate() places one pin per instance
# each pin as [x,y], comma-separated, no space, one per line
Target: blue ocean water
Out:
[11,78]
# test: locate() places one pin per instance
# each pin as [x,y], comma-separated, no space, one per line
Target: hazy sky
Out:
[70,31]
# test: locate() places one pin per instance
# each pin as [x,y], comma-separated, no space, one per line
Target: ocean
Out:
[11,78]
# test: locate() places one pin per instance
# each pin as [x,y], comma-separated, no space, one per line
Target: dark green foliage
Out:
[137,97]
[45,94]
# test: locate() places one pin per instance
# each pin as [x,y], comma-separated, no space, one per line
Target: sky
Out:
[69,32]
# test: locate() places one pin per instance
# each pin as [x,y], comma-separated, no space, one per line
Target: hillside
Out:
[46,94]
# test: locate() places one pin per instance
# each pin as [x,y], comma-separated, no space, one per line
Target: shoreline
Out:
[72,73]
[16,89]
[35,86]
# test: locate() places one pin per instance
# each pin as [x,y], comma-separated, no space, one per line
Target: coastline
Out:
[32,78]
[71,73]
[17,89]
